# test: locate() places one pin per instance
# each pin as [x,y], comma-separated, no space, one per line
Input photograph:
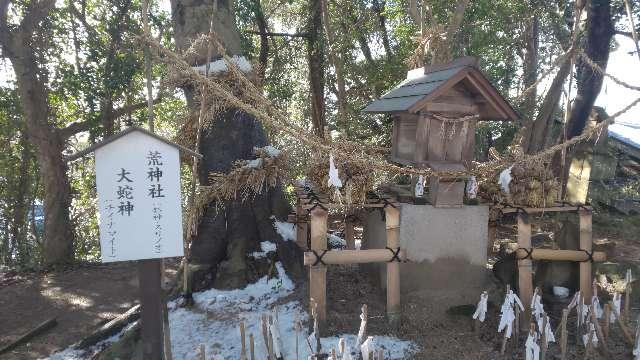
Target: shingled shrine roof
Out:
[426,84]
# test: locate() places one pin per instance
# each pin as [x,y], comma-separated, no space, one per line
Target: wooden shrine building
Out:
[434,112]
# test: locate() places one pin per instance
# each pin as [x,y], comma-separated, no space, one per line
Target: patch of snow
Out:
[266,247]
[271,151]
[215,322]
[71,353]
[505,179]
[335,241]
[286,230]
[220,65]
[255,163]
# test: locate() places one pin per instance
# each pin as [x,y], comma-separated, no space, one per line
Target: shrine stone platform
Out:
[446,251]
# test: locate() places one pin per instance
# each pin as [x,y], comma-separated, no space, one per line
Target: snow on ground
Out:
[285,229]
[215,319]
[266,247]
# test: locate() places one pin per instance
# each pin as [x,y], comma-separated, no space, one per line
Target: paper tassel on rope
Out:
[507,315]
[505,179]
[334,179]
[617,302]
[597,307]
[531,347]
[420,186]
[472,188]
[362,332]
[481,308]
[628,279]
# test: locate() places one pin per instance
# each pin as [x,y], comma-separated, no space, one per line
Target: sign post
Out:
[140,215]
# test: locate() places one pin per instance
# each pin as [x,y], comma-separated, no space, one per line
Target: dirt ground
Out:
[87,296]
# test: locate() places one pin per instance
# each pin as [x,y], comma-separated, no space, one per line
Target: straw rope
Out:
[346,151]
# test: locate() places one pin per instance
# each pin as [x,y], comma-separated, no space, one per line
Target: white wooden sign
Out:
[139,202]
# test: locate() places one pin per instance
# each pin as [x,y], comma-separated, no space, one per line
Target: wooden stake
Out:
[525,270]
[543,339]
[563,335]
[203,355]
[603,344]
[586,244]
[318,273]
[504,339]
[243,351]
[623,327]
[151,317]
[265,334]
[380,354]
[333,354]
[607,320]
[252,347]
[392,219]
[297,328]
[627,290]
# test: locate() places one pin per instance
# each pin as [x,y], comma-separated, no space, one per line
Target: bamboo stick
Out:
[560,255]
[586,243]
[603,344]
[380,354]
[318,273]
[504,338]
[265,334]
[243,351]
[623,327]
[607,320]
[627,291]
[563,334]
[252,351]
[203,355]
[525,270]
[392,226]
[341,257]
[543,339]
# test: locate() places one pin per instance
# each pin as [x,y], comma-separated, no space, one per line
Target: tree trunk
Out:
[530,75]
[228,231]
[315,59]
[599,32]
[31,80]
[263,57]
[337,63]
[20,210]
[379,7]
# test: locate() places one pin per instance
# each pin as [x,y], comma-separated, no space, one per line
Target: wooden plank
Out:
[341,257]
[561,255]
[586,243]
[436,142]
[470,143]
[392,226]
[151,317]
[525,270]
[421,138]
[558,208]
[41,328]
[407,127]
[318,273]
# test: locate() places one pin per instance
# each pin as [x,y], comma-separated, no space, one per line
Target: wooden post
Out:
[252,347]
[543,339]
[243,342]
[525,276]
[564,334]
[348,234]
[151,298]
[318,273]
[586,244]
[607,320]
[301,227]
[392,218]
[627,292]
[603,343]
[203,354]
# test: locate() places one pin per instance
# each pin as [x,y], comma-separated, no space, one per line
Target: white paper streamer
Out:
[507,315]
[636,349]
[481,308]
[595,302]
[472,188]
[531,347]
[505,179]
[277,342]
[617,300]
[334,180]
[420,186]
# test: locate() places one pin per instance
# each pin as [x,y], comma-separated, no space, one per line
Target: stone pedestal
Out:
[446,249]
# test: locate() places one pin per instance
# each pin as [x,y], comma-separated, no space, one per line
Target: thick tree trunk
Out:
[530,75]
[227,232]
[263,57]
[315,59]
[31,80]
[19,224]
[599,33]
